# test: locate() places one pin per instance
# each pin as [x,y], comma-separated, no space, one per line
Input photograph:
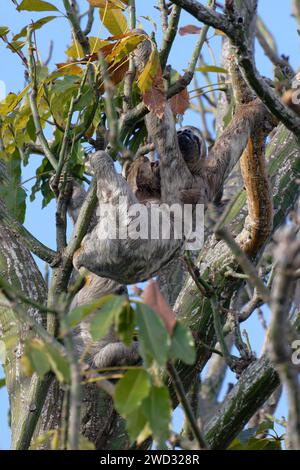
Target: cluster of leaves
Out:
[262,437]
[54,440]
[141,396]
[42,358]
[56,88]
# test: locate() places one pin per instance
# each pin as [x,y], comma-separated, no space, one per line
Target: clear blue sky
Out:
[276,13]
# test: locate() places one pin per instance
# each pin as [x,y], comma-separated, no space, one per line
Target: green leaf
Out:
[211,68]
[78,314]
[43,174]
[245,436]
[35,25]
[131,391]
[58,364]
[35,354]
[44,357]
[16,46]
[153,338]
[263,444]
[136,423]
[85,444]
[235,445]
[157,409]
[4,30]
[182,344]
[104,319]
[125,324]
[36,5]
[2,383]
[39,362]
[265,426]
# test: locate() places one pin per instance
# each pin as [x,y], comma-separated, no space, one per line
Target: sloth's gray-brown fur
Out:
[185,176]
[110,351]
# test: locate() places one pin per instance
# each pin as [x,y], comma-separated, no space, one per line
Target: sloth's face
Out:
[144,176]
[149,175]
[190,142]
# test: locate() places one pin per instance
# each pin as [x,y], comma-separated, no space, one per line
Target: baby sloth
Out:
[132,254]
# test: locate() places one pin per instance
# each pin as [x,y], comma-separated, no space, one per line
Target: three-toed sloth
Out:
[120,246]
[183,175]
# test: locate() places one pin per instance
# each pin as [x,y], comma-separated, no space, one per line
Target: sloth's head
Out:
[144,175]
[192,145]
[144,178]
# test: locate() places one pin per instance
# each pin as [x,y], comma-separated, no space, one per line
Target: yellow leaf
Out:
[114,20]
[146,78]
[12,101]
[211,68]
[55,440]
[108,3]
[124,47]
[26,366]
[218,32]
[42,438]
[69,68]
[75,51]
[22,119]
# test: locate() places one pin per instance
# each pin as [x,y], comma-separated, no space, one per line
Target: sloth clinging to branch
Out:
[183,175]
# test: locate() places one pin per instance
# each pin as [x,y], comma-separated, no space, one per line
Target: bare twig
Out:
[33,101]
[219,332]
[47,61]
[288,259]
[268,44]
[111,112]
[164,13]
[233,29]
[130,75]
[244,262]
[90,21]
[169,35]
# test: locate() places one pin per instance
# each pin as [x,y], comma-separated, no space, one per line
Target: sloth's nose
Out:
[186,133]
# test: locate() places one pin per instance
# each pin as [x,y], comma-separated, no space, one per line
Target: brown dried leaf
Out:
[180,102]
[189,29]
[155,300]
[116,72]
[69,68]
[155,98]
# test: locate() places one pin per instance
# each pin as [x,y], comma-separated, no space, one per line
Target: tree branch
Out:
[33,244]
[287,258]
[33,101]
[169,35]
[260,380]
[206,15]
[235,31]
